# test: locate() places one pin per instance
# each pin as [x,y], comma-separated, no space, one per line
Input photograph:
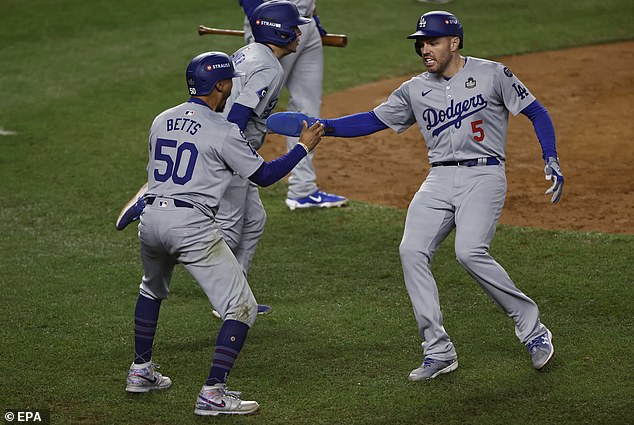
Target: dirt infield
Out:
[589,92]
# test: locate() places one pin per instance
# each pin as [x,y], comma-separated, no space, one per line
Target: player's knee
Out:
[412,254]
[153,292]
[231,237]
[468,257]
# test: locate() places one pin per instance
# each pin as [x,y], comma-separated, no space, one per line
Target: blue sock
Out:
[145,320]
[229,342]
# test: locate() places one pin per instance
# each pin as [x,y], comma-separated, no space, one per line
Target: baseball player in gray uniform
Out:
[241,215]
[304,73]
[461,106]
[193,153]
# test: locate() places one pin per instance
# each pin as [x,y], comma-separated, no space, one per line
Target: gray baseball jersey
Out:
[462,118]
[258,89]
[193,153]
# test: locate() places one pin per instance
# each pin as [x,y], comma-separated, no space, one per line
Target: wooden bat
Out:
[336,40]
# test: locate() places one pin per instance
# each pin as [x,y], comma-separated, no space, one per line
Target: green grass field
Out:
[81,81]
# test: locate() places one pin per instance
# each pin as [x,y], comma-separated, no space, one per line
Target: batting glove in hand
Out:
[554,174]
[289,123]
[321,29]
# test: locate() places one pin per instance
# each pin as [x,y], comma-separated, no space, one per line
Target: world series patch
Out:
[470,83]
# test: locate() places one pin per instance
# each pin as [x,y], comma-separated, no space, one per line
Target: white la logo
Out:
[422,22]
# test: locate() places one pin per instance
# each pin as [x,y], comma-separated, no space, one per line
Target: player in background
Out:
[461,106]
[241,215]
[193,153]
[304,73]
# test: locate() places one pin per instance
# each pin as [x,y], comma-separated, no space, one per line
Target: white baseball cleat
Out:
[143,378]
[214,400]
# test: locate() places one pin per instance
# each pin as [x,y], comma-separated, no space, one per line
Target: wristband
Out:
[304,146]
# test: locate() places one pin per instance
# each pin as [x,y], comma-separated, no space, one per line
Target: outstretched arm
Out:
[272,171]
[361,124]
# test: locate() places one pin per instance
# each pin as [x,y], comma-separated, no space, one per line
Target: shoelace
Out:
[537,342]
[428,362]
[224,392]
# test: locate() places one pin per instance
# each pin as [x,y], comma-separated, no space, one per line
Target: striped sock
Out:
[145,321]
[229,342]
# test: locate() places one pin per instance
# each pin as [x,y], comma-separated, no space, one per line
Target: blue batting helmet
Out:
[206,69]
[274,21]
[437,23]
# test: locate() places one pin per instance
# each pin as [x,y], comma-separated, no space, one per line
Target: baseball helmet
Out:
[437,23]
[206,69]
[274,21]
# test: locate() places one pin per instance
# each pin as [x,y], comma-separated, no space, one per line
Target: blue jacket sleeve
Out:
[272,171]
[543,128]
[249,6]
[354,125]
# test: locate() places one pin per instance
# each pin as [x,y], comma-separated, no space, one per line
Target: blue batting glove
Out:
[554,174]
[321,29]
[288,123]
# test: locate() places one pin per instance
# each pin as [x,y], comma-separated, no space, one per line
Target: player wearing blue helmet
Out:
[303,77]
[193,154]
[241,215]
[461,107]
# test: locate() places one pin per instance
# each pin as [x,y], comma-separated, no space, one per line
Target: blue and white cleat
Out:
[318,199]
[132,210]
[431,368]
[541,349]
[143,378]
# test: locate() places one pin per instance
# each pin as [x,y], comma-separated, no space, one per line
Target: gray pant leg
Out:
[477,213]
[304,72]
[241,219]
[231,211]
[252,229]
[429,221]
[183,235]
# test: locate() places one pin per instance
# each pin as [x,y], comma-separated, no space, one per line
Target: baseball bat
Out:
[335,40]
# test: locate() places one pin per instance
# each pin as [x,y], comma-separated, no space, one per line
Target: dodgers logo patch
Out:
[262,92]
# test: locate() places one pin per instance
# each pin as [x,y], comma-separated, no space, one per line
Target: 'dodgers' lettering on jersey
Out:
[183,124]
[455,113]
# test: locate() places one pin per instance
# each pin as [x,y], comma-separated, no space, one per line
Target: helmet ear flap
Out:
[418,46]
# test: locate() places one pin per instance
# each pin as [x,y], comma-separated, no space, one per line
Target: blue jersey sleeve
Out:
[272,171]
[240,114]
[249,6]
[543,128]
[354,125]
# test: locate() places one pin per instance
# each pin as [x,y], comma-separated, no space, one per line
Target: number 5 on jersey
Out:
[478,131]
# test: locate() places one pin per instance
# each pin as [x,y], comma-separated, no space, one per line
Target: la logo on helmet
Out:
[422,23]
